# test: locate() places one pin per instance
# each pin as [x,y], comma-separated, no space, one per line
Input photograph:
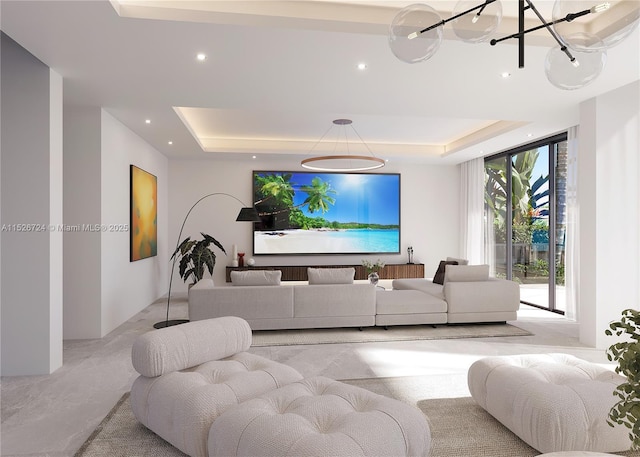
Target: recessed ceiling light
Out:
[529,135]
[201,56]
[505,74]
[147,121]
[170,142]
[362,66]
[253,157]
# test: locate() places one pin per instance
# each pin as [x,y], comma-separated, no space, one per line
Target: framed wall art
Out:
[144,214]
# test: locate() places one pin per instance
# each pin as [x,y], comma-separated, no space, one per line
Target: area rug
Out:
[377,334]
[459,427]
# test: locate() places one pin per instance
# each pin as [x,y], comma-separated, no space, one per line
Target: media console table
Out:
[299,272]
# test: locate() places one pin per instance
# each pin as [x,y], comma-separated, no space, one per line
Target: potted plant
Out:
[627,354]
[195,256]
[372,270]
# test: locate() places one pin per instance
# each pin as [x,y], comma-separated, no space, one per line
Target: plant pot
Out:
[373,278]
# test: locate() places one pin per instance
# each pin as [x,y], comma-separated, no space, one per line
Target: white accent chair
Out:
[199,390]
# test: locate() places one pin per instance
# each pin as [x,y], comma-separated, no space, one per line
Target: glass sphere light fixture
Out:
[405,41]
[573,74]
[609,23]
[476,25]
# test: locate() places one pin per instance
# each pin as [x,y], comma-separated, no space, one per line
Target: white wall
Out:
[102,289]
[609,199]
[56,260]
[82,188]
[128,287]
[429,205]
[31,300]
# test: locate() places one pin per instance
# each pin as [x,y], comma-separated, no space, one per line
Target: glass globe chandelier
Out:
[416,32]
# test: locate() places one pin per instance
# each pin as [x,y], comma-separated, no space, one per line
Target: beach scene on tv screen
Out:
[326,213]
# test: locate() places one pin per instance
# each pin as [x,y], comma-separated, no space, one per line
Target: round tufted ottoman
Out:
[553,402]
[320,417]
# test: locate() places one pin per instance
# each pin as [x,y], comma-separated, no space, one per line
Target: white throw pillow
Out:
[458,273]
[331,275]
[460,261]
[204,283]
[256,278]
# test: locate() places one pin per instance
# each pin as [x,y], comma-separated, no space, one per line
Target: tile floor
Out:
[53,415]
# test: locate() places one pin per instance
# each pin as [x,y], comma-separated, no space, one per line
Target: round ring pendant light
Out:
[343,162]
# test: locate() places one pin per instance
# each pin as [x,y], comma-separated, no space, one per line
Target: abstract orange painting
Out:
[144,214]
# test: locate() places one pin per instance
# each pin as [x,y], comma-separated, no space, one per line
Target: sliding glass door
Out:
[525,205]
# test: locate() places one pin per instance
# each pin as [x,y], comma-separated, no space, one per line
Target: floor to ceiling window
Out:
[525,207]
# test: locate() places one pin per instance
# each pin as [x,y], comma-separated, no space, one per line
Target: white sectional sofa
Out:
[331,299]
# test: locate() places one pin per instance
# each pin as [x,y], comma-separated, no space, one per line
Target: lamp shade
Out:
[248,214]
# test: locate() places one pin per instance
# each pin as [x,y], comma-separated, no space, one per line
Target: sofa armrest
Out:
[482,296]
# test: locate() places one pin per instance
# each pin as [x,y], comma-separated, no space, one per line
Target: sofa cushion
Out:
[420,284]
[466,273]
[318,300]
[247,302]
[256,278]
[188,345]
[438,278]
[408,302]
[331,275]
[460,261]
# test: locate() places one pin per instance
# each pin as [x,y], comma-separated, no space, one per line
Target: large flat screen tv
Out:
[326,213]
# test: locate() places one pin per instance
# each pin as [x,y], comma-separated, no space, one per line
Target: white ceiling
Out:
[278,73]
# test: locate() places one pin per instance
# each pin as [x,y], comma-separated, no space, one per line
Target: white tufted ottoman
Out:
[553,402]
[320,417]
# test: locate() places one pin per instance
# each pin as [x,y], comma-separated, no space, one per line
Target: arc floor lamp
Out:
[246,214]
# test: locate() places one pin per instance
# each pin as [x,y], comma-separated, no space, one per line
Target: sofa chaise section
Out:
[470,294]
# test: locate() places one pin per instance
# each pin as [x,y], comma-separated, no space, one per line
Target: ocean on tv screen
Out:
[321,241]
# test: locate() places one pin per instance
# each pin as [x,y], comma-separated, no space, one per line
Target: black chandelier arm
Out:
[520,34]
[548,26]
[568,18]
[481,7]
[175,257]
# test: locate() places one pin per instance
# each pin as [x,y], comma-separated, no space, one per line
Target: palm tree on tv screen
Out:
[275,194]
